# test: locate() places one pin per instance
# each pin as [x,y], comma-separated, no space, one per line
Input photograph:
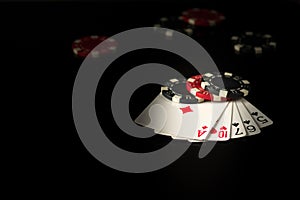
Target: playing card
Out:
[182,120]
[165,116]
[202,115]
[209,113]
[237,128]
[249,123]
[154,116]
[221,131]
[261,119]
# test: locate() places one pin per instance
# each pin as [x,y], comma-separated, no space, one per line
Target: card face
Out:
[261,119]
[166,117]
[208,118]
[237,128]
[182,120]
[221,131]
[249,123]
[207,113]
[154,115]
[189,121]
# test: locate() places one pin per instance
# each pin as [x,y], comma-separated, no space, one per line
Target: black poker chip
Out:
[251,43]
[174,23]
[175,90]
[225,85]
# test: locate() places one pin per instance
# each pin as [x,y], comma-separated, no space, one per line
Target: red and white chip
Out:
[202,17]
[193,85]
[85,45]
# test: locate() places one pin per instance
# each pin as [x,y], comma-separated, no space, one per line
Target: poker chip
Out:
[174,23]
[202,17]
[175,90]
[253,43]
[225,85]
[83,46]
[193,85]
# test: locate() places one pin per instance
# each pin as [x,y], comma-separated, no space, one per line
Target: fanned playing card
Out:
[209,113]
[200,119]
[181,121]
[237,127]
[221,131]
[189,118]
[181,118]
[157,113]
[261,119]
[249,123]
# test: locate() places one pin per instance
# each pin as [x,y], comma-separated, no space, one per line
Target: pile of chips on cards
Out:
[206,107]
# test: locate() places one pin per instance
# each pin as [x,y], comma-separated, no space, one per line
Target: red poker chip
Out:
[202,17]
[83,46]
[193,85]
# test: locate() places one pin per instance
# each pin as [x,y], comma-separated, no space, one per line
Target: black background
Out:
[36,40]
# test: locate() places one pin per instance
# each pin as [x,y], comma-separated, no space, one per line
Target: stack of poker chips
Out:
[206,107]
